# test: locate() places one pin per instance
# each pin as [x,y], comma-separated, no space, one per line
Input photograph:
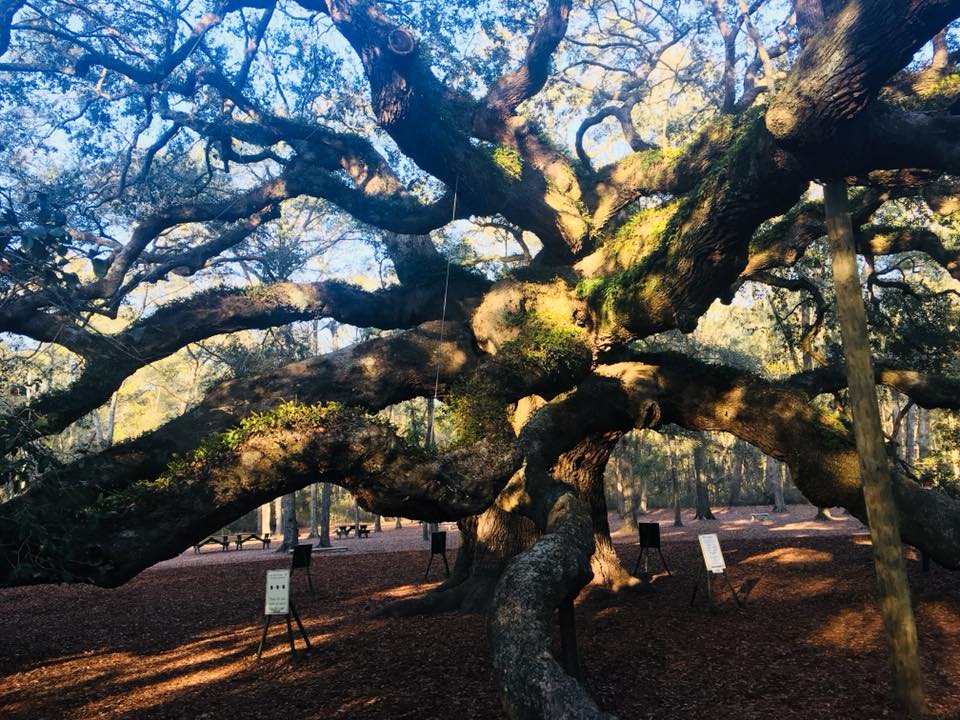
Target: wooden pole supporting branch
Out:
[898,620]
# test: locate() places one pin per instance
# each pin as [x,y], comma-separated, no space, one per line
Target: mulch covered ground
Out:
[179,642]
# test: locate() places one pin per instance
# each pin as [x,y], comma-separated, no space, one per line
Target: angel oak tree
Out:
[170,139]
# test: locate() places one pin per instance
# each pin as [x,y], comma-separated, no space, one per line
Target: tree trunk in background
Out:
[806,321]
[910,436]
[288,521]
[923,434]
[377,526]
[629,503]
[111,423]
[644,502]
[277,514]
[265,518]
[823,515]
[675,485]
[779,505]
[703,511]
[895,605]
[356,515]
[736,480]
[324,515]
[314,511]
[398,524]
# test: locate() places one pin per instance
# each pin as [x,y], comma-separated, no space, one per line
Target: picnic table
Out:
[345,530]
[223,540]
[247,537]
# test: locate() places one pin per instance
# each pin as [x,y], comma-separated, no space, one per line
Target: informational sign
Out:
[712,555]
[278,592]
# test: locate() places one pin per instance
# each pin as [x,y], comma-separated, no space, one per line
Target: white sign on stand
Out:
[278,592]
[712,555]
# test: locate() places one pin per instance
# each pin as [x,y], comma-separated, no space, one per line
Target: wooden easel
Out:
[278,603]
[293,647]
[713,564]
[700,572]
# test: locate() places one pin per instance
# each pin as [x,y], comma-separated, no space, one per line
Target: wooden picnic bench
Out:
[247,537]
[221,540]
[345,530]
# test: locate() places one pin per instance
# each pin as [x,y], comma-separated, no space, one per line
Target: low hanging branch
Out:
[783,423]
[109,535]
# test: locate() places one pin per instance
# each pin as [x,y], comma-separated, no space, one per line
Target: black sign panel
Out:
[649,535]
[301,555]
[438,543]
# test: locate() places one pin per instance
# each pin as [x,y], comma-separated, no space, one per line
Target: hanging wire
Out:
[443,317]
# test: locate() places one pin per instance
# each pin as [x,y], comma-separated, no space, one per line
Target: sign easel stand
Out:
[278,603]
[438,546]
[649,541]
[713,564]
[710,574]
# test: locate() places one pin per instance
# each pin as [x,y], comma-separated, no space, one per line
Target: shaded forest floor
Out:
[180,643]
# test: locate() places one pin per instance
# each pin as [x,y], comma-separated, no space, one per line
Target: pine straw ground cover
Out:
[179,643]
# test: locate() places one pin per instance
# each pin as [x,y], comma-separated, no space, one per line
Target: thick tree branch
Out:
[113,533]
[102,499]
[925,389]
[527,80]
[782,422]
[847,62]
[110,359]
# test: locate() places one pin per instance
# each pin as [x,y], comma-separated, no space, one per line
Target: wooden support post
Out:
[901,630]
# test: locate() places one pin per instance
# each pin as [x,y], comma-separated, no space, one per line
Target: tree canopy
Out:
[527,208]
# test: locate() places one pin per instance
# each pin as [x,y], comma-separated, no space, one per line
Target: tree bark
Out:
[896,607]
[675,485]
[703,511]
[487,543]
[288,521]
[265,518]
[779,504]
[314,510]
[324,515]
[583,467]
[736,481]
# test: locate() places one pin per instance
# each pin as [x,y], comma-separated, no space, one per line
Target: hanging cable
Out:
[443,317]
